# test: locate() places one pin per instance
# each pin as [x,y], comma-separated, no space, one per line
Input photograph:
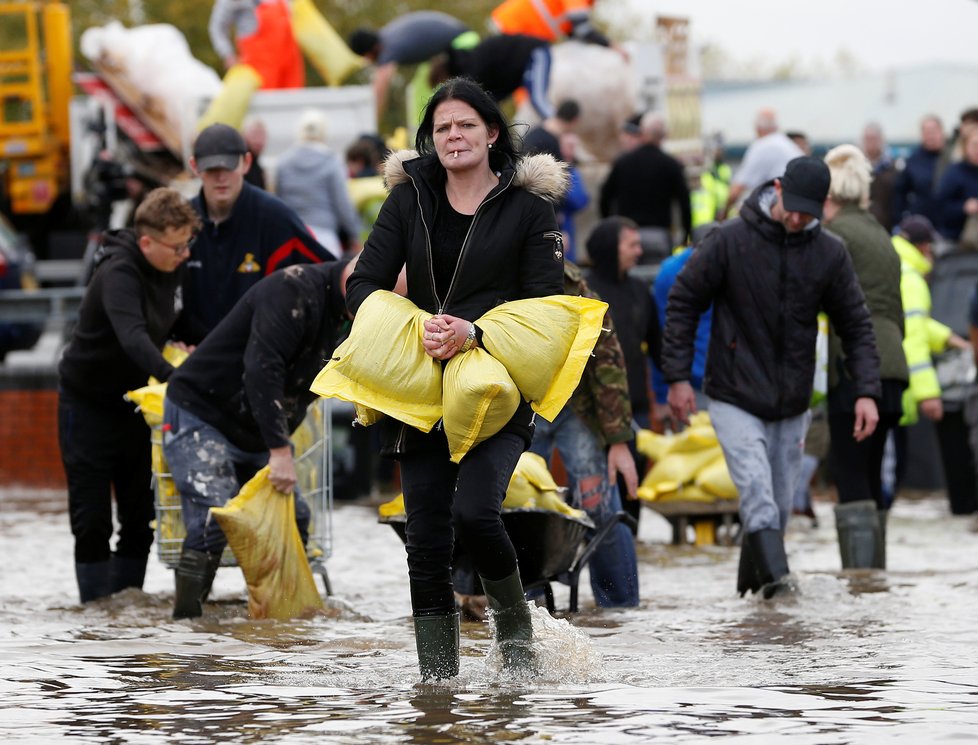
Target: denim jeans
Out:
[208,471]
[613,567]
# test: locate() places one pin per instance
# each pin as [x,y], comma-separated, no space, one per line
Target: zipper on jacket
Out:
[431,266]
[783,271]
[558,238]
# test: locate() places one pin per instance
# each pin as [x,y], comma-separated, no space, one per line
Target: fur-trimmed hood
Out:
[539,174]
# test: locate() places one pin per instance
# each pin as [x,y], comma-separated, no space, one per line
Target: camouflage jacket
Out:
[601,398]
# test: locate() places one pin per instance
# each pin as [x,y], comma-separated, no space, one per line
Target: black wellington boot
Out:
[511,615]
[94,580]
[767,547]
[437,641]
[879,561]
[127,571]
[194,575]
[747,577]
[860,539]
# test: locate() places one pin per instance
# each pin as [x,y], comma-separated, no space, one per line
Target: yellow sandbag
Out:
[715,479]
[680,468]
[260,527]
[544,343]
[231,103]
[478,398]
[534,469]
[698,437]
[383,365]
[551,500]
[365,189]
[521,494]
[651,444]
[393,508]
[322,46]
[149,402]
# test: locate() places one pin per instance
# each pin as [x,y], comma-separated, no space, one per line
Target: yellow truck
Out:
[35,89]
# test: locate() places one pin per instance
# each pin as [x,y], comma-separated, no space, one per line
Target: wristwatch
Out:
[469,340]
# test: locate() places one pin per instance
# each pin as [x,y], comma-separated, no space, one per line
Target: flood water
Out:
[865,657]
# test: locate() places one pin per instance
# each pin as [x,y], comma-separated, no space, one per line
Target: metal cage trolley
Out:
[312,442]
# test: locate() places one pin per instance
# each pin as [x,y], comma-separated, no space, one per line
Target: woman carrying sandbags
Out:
[475,227]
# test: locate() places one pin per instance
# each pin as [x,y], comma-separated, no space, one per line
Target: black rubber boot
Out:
[767,548]
[747,577]
[880,561]
[94,580]
[213,564]
[194,575]
[858,527]
[511,616]
[127,571]
[437,640]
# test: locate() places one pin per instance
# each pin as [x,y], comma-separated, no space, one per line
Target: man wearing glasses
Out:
[131,308]
[246,235]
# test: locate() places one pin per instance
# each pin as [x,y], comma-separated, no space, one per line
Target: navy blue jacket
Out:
[260,235]
[913,193]
[959,183]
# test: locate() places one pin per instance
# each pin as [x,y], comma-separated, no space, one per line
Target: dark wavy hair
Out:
[470,92]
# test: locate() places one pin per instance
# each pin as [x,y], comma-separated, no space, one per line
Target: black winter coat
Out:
[250,376]
[767,286]
[129,312]
[514,248]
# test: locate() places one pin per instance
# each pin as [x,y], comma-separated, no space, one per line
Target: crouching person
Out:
[232,406]
[131,307]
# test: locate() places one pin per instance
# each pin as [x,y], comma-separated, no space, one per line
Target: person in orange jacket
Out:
[264,38]
[548,19]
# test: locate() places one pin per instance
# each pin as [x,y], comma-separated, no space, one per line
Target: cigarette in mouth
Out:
[456,154]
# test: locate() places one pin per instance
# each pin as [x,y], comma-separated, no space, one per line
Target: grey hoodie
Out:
[311,179]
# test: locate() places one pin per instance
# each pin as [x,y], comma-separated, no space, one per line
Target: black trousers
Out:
[445,501]
[855,466]
[959,462]
[106,449]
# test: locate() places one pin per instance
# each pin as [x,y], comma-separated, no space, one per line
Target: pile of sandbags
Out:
[531,487]
[688,466]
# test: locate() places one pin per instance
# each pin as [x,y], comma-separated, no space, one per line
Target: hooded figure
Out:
[614,248]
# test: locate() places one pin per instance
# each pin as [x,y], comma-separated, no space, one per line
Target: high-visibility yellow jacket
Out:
[922,335]
[545,19]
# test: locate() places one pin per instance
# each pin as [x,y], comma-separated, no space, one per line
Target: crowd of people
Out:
[259,287]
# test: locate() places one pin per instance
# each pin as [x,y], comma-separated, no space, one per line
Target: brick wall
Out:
[29,453]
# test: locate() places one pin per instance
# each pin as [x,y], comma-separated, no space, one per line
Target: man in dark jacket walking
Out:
[768,273]
[131,307]
[233,405]
[644,184]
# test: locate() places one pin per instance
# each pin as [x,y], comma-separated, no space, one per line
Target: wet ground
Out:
[866,657]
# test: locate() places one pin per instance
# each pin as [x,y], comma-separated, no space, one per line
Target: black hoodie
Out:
[128,313]
[632,309]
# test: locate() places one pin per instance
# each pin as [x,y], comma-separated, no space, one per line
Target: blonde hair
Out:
[851,175]
[312,126]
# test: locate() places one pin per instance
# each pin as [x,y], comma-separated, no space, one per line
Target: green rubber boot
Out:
[437,640]
[511,615]
[194,575]
[860,539]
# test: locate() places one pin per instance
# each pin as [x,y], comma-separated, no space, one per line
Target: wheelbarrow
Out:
[550,547]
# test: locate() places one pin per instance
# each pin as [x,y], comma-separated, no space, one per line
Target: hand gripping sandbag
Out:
[544,344]
[383,365]
[478,397]
[260,527]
